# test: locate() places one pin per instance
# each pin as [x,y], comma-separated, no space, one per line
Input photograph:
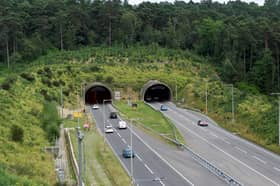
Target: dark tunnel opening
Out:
[96,95]
[157,93]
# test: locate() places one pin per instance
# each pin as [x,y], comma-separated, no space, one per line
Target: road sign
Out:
[117,95]
[77,114]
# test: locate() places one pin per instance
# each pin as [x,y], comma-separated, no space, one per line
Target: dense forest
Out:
[242,40]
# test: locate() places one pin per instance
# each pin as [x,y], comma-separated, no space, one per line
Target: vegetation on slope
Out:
[150,118]
[240,38]
[26,88]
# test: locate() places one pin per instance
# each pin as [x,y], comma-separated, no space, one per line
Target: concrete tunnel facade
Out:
[96,92]
[156,91]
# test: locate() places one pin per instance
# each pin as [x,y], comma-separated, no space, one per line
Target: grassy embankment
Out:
[150,118]
[25,88]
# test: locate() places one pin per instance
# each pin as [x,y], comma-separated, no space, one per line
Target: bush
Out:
[8,82]
[109,79]
[17,133]
[46,81]
[50,120]
[56,83]
[27,76]
[99,77]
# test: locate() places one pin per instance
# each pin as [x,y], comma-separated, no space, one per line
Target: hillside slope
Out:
[25,89]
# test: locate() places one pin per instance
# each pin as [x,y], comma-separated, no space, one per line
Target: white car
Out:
[95,107]
[109,129]
[122,125]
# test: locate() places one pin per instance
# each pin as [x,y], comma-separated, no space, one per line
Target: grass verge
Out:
[100,167]
[150,118]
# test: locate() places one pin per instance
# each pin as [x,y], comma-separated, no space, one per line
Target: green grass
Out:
[147,116]
[125,70]
[101,167]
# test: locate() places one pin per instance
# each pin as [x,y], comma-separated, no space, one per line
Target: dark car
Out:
[113,115]
[163,108]
[128,153]
[202,123]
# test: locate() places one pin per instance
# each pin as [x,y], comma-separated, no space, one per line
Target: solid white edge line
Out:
[180,174]
[259,159]
[147,167]
[232,157]
[226,141]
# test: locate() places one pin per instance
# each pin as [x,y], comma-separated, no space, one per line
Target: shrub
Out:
[56,83]
[50,120]
[99,77]
[8,82]
[95,68]
[46,81]
[17,133]
[109,79]
[27,76]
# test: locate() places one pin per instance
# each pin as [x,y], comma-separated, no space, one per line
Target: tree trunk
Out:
[251,57]
[278,66]
[244,63]
[7,50]
[110,32]
[14,46]
[265,41]
[61,37]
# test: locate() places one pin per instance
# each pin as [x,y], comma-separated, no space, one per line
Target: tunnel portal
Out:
[95,94]
[155,91]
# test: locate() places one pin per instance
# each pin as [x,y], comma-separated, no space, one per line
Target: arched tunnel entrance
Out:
[155,91]
[96,93]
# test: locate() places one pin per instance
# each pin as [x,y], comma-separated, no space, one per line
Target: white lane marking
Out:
[119,134]
[232,157]
[148,168]
[123,140]
[226,141]
[241,150]
[139,158]
[278,169]
[161,183]
[259,159]
[179,173]
[212,134]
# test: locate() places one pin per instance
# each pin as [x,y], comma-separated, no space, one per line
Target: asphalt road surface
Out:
[149,169]
[248,163]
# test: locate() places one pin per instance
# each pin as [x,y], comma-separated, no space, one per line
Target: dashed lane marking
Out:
[148,168]
[259,159]
[241,150]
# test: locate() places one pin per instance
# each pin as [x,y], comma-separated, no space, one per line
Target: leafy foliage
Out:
[241,38]
[50,120]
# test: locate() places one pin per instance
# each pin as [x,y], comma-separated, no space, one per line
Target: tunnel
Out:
[96,93]
[156,91]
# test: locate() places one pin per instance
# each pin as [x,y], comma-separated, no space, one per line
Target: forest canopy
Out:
[241,39]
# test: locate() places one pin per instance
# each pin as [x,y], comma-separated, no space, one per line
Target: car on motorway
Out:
[95,106]
[113,115]
[163,108]
[122,125]
[128,153]
[202,123]
[109,129]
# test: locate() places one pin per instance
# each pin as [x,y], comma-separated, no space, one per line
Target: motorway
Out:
[248,163]
[149,169]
